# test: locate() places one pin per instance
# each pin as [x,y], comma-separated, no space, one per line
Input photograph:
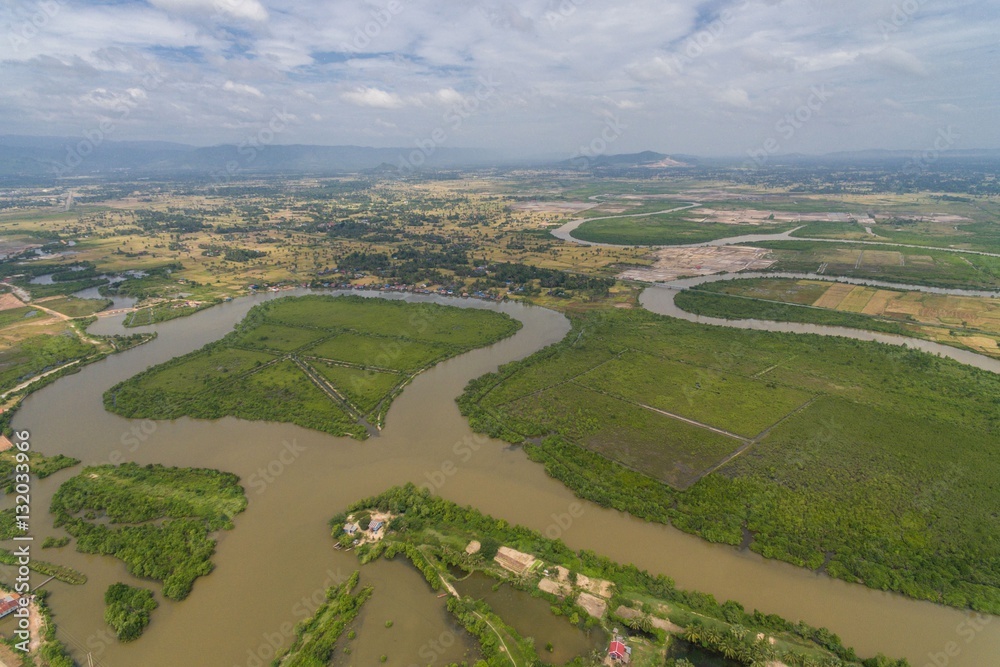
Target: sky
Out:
[523,77]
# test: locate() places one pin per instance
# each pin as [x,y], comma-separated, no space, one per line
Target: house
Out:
[8,603]
[376,526]
[350,528]
[617,651]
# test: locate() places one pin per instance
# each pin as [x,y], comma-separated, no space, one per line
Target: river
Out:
[272,567]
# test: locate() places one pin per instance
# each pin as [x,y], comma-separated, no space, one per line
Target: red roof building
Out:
[8,603]
[618,651]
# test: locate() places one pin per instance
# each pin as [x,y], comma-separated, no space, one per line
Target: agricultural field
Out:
[935,268]
[159,521]
[967,322]
[72,306]
[669,229]
[333,364]
[808,442]
[579,601]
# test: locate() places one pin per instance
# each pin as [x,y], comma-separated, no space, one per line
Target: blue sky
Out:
[530,77]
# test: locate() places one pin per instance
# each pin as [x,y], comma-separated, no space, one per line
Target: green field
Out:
[848,444]
[364,388]
[76,307]
[666,229]
[709,303]
[158,520]
[38,354]
[162,312]
[278,338]
[971,323]
[937,268]
[386,352]
[982,236]
[242,375]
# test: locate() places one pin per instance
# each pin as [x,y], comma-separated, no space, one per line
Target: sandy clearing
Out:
[560,590]
[517,562]
[594,606]
[674,263]
[8,301]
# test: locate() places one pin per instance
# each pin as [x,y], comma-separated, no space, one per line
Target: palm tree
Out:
[646,623]
[693,632]
[729,647]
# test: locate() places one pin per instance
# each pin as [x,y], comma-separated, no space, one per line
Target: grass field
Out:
[966,234]
[849,450]
[906,265]
[379,351]
[74,307]
[162,312]
[315,361]
[667,229]
[961,321]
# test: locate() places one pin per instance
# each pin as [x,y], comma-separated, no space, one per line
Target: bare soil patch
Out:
[674,263]
[517,562]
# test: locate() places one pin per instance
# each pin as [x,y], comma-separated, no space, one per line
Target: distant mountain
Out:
[36,157]
[76,156]
[643,160]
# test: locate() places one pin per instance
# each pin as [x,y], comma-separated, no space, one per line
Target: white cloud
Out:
[734,97]
[241,89]
[250,10]
[216,60]
[899,60]
[373,97]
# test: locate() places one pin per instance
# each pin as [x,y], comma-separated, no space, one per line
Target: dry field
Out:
[674,263]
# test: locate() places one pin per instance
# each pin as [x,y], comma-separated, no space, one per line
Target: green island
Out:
[159,521]
[316,637]
[164,311]
[127,610]
[329,363]
[873,463]
[671,228]
[968,322]
[41,466]
[594,596]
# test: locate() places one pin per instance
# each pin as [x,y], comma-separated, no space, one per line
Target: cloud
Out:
[241,89]
[250,10]
[696,76]
[373,97]
[734,97]
[899,60]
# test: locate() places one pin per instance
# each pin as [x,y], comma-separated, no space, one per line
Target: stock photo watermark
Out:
[40,16]
[484,96]
[786,127]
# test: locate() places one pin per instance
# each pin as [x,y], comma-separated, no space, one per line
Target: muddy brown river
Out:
[272,568]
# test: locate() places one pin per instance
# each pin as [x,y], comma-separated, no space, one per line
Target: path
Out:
[36,379]
[451,589]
